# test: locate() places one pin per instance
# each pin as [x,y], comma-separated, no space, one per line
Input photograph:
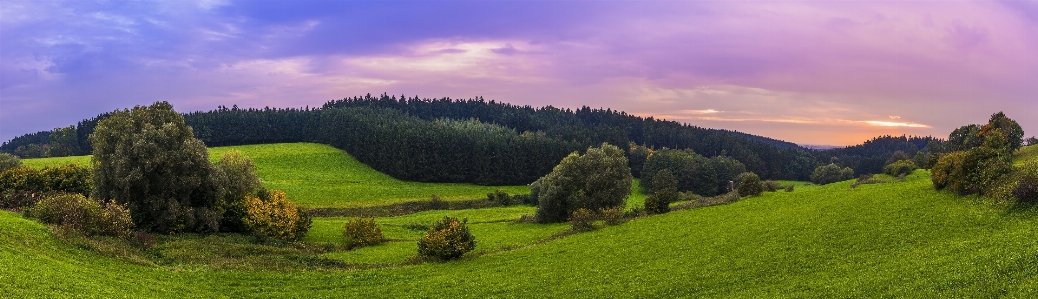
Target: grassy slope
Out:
[492,227]
[320,176]
[882,240]
[1026,154]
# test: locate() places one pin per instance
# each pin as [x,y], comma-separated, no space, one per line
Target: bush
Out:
[67,178]
[613,216]
[115,220]
[8,161]
[770,186]
[447,239]
[499,197]
[274,217]
[972,171]
[902,167]
[77,212]
[750,185]
[595,180]
[239,180]
[1026,190]
[362,232]
[947,170]
[790,188]
[830,174]
[664,192]
[70,210]
[582,220]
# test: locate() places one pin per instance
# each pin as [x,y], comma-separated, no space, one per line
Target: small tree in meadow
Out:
[598,179]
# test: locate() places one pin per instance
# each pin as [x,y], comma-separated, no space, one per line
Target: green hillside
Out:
[1026,154]
[883,240]
[320,176]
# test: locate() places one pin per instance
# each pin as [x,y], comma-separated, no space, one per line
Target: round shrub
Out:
[831,173]
[1026,190]
[85,215]
[613,216]
[8,161]
[68,209]
[362,232]
[947,169]
[582,220]
[115,220]
[901,167]
[274,217]
[750,185]
[447,239]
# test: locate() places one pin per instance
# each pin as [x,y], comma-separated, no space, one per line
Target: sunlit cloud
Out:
[895,124]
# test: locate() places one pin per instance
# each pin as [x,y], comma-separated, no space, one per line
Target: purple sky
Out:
[835,73]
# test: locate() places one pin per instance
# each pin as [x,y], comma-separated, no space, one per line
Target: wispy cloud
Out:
[808,72]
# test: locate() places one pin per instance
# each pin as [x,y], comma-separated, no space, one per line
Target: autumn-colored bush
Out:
[613,216]
[362,232]
[274,217]
[582,220]
[447,239]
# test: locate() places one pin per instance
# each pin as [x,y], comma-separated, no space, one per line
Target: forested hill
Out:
[871,156]
[562,123]
[416,132]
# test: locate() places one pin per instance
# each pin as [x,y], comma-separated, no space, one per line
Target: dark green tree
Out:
[63,142]
[831,173]
[147,159]
[664,192]
[596,180]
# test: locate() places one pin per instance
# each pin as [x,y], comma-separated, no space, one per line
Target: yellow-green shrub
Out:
[274,217]
[613,216]
[362,232]
[582,220]
[447,239]
[85,215]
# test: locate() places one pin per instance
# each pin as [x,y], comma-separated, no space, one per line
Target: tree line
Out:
[484,142]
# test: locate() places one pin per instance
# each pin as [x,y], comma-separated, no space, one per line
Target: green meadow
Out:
[321,176]
[895,239]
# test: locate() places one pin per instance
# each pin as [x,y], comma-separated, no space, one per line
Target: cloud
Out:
[780,69]
[894,124]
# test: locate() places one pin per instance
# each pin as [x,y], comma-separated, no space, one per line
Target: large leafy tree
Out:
[596,180]
[999,123]
[149,160]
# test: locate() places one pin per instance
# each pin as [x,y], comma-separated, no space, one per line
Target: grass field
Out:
[895,239]
[898,239]
[1026,154]
[320,176]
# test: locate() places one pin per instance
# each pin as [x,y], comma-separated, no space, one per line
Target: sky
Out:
[808,72]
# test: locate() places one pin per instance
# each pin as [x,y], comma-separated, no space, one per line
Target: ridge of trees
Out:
[870,156]
[557,129]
